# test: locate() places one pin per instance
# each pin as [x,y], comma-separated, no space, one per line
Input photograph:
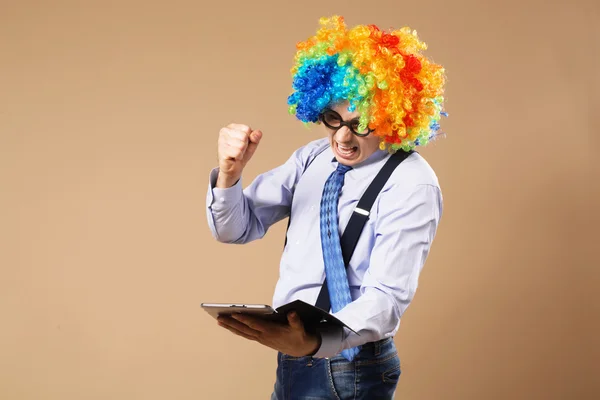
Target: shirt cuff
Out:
[220,197]
[331,340]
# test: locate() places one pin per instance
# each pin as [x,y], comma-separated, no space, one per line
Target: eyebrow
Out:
[356,119]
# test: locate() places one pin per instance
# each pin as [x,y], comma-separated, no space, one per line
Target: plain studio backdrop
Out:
[109,116]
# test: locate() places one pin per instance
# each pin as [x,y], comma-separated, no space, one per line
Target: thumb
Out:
[295,321]
[254,139]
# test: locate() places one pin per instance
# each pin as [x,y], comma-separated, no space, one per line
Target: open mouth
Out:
[346,151]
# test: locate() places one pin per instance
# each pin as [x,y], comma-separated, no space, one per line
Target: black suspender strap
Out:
[359,218]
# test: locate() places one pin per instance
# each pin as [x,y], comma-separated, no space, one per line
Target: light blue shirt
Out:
[384,270]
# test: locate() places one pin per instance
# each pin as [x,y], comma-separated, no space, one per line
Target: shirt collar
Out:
[366,168]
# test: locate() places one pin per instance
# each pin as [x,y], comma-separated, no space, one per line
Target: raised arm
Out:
[237,215]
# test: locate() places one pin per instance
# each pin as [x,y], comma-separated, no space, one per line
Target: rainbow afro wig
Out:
[383,76]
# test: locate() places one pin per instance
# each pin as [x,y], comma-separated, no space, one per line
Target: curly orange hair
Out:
[383,75]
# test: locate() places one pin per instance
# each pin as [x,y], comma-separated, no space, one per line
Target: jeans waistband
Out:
[371,349]
[377,343]
[377,347]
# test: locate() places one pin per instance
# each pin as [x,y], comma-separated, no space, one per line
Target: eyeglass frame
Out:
[343,123]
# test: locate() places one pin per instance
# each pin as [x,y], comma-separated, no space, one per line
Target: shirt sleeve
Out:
[237,215]
[331,340]
[404,231]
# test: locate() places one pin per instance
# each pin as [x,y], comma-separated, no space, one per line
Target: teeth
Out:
[346,150]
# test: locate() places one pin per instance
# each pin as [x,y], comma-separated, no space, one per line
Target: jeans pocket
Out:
[392,374]
[342,379]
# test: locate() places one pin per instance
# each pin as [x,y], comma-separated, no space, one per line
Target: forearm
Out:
[404,237]
[226,181]
[374,316]
[228,212]
[241,216]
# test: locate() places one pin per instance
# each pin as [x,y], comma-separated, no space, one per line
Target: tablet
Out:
[312,317]
[216,309]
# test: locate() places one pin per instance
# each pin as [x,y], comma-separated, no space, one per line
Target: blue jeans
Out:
[373,374]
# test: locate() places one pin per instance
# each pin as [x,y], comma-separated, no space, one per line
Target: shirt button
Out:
[222,199]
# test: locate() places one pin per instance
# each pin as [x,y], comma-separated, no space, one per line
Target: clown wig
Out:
[398,92]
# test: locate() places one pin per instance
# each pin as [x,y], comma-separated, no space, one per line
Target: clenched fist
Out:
[237,144]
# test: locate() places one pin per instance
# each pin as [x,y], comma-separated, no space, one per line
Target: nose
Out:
[344,134]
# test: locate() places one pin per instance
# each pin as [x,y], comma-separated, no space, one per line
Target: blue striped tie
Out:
[335,270]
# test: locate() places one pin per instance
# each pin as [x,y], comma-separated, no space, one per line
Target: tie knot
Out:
[342,169]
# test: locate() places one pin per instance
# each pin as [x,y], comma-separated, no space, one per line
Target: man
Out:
[378,98]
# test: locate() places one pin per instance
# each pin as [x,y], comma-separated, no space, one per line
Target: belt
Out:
[373,348]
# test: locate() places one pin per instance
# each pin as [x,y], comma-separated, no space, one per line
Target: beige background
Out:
[109,114]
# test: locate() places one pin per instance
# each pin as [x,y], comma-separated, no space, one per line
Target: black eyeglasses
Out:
[334,121]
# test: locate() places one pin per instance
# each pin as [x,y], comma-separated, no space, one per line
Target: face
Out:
[348,148]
